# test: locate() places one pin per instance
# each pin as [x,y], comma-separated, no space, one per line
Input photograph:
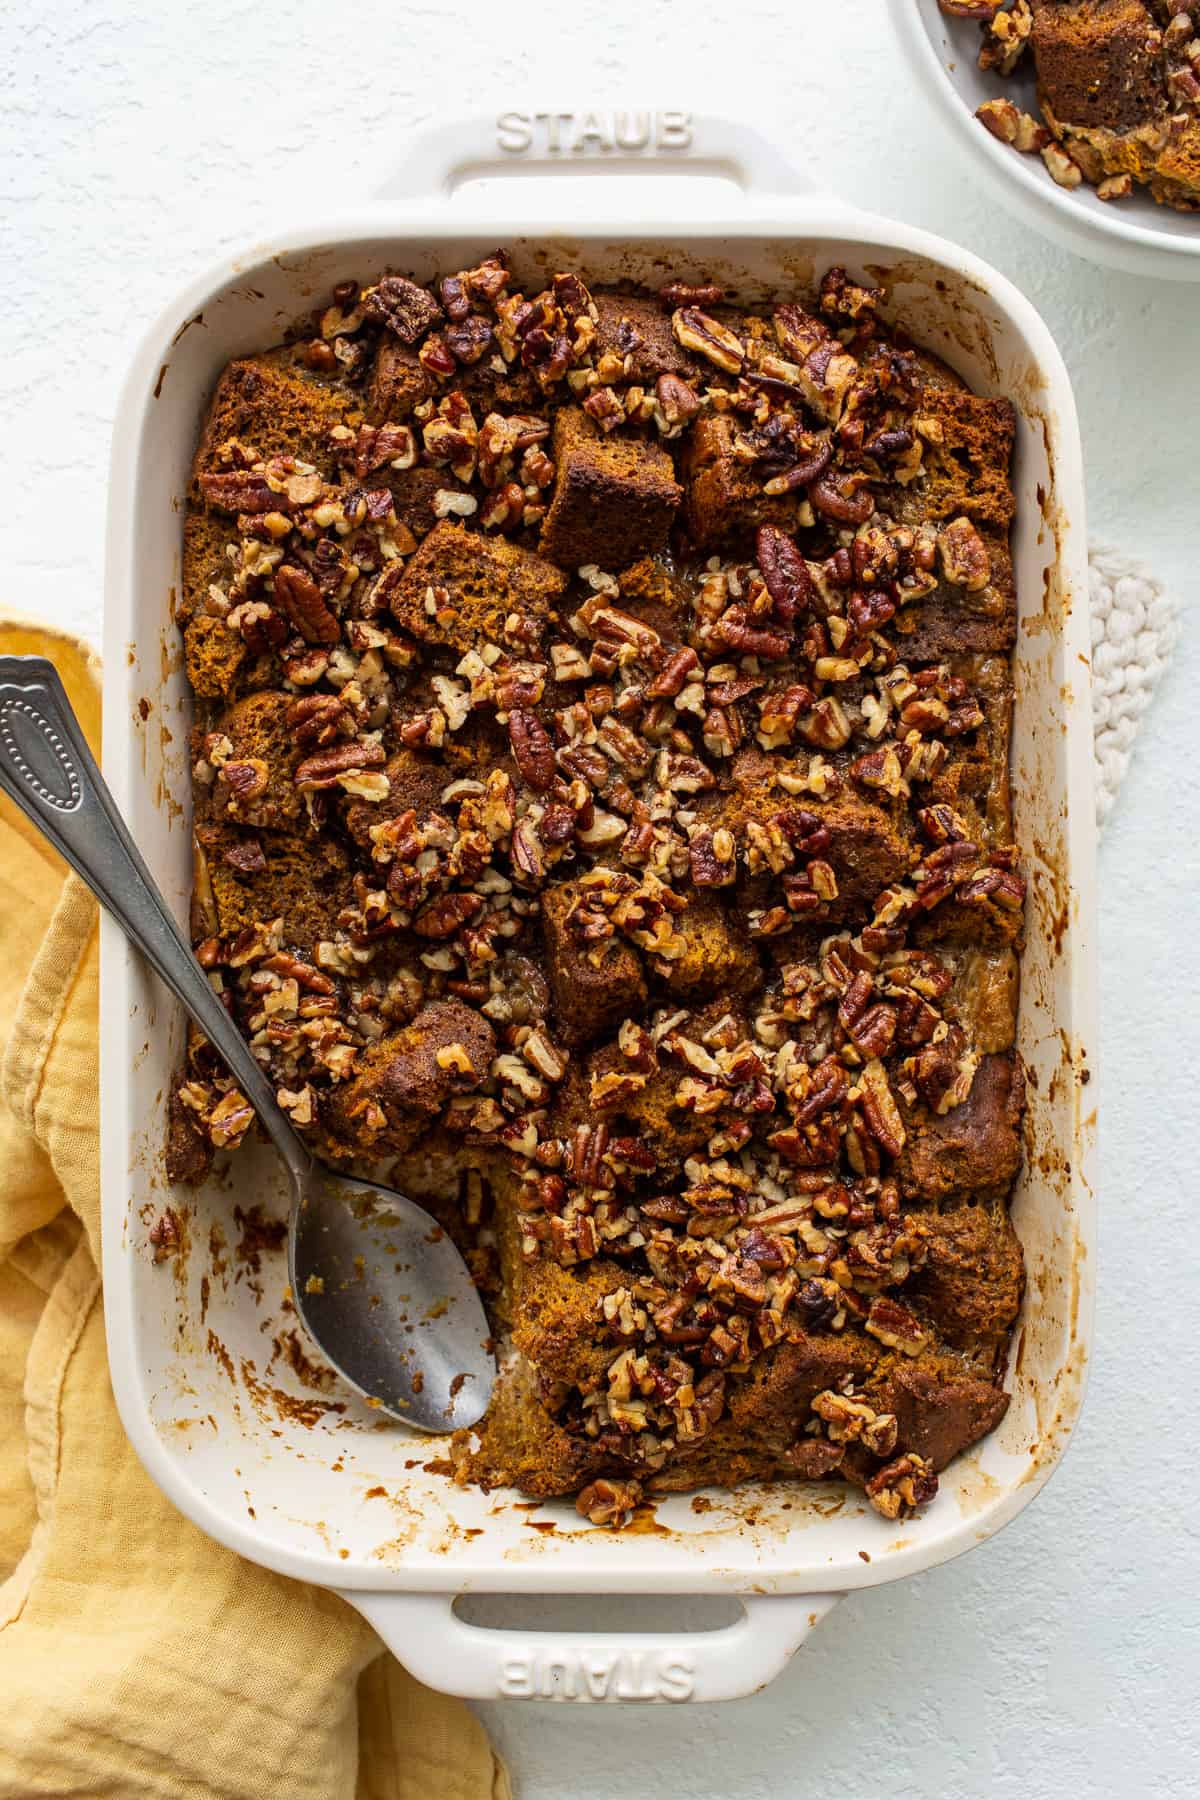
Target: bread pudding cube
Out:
[273,406]
[638,331]
[1099,62]
[614,498]
[593,986]
[399,381]
[402,1082]
[974,1148]
[968,443]
[244,877]
[460,588]
[726,498]
[252,756]
[973,1274]
[716,958]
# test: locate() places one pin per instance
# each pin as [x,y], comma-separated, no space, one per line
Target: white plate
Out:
[1136,234]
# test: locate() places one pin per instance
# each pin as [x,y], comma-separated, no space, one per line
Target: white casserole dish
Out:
[339,1497]
[1136,234]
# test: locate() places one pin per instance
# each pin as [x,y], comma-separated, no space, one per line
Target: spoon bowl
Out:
[382,1289]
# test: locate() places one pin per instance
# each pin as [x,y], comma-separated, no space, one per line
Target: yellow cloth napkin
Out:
[137,1657]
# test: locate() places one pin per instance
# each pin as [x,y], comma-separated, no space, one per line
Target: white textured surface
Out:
[1134,631]
[139,141]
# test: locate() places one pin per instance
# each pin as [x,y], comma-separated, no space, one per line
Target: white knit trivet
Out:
[1133,634]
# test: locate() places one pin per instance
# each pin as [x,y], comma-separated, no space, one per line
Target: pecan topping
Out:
[965,561]
[240,491]
[842,500]
[468,340]
[903,1485]
[298,595]
[895,1326]
[246,779]
[322,769]
[664,966]
[880,1112]
[607,1501]
[318,718]
[378,446]
[1012,126]
[683,293]
[785,572]
[447,915]
[246,857]
[696,330]
[677,401]
[405,309]
[532,749]
[261,628]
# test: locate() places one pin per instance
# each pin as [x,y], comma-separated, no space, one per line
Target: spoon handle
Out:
[48,770]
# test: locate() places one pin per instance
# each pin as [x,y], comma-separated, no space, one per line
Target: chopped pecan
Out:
[848,1420]
[605,407]
[1062,166]
[842,499]
[903,1485]
[446,915]
[713,858]
[685,293]
[468,339]
[880,1112]
[817,1303]
[735,630]
[229,1120]
[696,330]
[297,595]
[673,676]
[1006,36]
[240,491]
[983,10]
[165,1235]
[801,474]
[843,299]
[260,627]
[376,447]
[607,1501]
[434,355]
[246,779]
[532,749]
[246,857]
[1012,126]
[318,718]
[504,508]
[785,572]
[677,401]
[895,1326]
[294,968]
[965,561]
[323,769]
[403,308]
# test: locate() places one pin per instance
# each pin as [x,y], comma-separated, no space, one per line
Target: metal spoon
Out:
[375,1280]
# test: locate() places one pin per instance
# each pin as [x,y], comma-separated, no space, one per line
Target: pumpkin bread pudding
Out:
[601,795]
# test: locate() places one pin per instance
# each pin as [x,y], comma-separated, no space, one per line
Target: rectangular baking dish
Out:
[220,1408]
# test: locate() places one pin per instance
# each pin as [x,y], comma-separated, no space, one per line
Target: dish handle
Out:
[479,1663]
[441,158]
